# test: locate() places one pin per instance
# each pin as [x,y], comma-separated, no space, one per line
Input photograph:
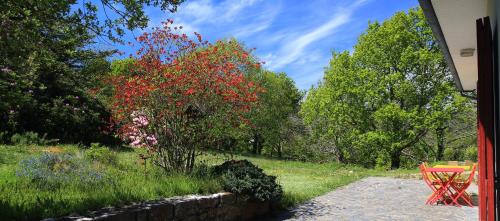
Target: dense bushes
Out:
[471,153]
[242,177]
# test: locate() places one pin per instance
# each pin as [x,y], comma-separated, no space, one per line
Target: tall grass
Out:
[20,199]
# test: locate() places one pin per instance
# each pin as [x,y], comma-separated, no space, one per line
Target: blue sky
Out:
[292,36]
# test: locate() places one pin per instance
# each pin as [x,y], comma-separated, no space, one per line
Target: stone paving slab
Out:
[379,198]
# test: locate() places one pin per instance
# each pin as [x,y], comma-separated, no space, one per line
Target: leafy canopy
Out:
[377,103]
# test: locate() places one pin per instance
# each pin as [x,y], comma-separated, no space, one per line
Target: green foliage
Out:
[471,153]
[47,65]
[101,154]
[453,154]
[30,138]
[242,177]
[377,104]
[4,136]
[272,123]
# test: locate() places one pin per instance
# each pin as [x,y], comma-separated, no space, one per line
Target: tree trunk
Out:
[440,139]
[254,144]
[257,144]
[340,156]
[396,159]
[280,154]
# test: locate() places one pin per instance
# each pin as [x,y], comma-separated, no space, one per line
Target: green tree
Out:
[377,104]
[271,119]
[47,64]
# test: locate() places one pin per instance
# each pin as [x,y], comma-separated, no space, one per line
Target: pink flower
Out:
[152,140]
[136,143]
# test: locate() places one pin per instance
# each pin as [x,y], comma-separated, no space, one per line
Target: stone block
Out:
[229,212]
[208,214]
[185,207]
[118,216]
[210,201]
[253,209]
[227,199]
[161,211]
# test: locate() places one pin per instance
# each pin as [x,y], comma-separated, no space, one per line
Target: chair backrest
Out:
[423,170]
[472,172]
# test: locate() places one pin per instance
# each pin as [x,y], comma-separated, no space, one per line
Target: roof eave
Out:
[433,22]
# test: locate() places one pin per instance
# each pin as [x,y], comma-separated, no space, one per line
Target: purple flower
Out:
[6,69]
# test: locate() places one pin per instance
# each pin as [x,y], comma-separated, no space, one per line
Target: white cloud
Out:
[293,50]
[206,11]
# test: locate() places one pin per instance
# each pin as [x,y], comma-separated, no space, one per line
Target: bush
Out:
[242,177]
[471,153]
[101,154]
[453,154]
[30,138]
[3,137]
[51,171]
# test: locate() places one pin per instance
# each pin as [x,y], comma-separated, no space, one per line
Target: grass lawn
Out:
[302,181]
[126,182]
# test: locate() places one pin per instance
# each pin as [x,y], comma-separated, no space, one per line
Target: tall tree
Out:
[47,63]
[378,103]
[270,119]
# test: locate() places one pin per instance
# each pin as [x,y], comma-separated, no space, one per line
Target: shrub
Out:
[186,93]
[101,154]
[51,171]
[3,137]
[30,138]
[471,153]
[453,154]
[242,177]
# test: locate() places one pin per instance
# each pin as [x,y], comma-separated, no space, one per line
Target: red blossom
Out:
[176,74]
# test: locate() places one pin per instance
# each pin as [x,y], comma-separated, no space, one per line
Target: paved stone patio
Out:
[379,198]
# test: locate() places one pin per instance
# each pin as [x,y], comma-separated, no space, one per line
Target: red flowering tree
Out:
[182,93]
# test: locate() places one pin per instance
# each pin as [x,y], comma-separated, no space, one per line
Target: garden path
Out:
[379,198]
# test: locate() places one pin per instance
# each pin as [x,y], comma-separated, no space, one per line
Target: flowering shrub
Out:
[50,171]
[181,94]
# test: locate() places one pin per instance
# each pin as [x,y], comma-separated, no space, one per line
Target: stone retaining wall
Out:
[220,206]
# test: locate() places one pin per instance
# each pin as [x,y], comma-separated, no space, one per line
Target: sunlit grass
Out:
[301,181]
[20,200]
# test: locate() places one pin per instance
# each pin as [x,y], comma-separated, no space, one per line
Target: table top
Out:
[445,170]
[452,166]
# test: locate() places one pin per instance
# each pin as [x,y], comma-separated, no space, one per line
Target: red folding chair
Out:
[461,186]
[433,183]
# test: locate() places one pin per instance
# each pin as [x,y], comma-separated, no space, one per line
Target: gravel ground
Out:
[378,198]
